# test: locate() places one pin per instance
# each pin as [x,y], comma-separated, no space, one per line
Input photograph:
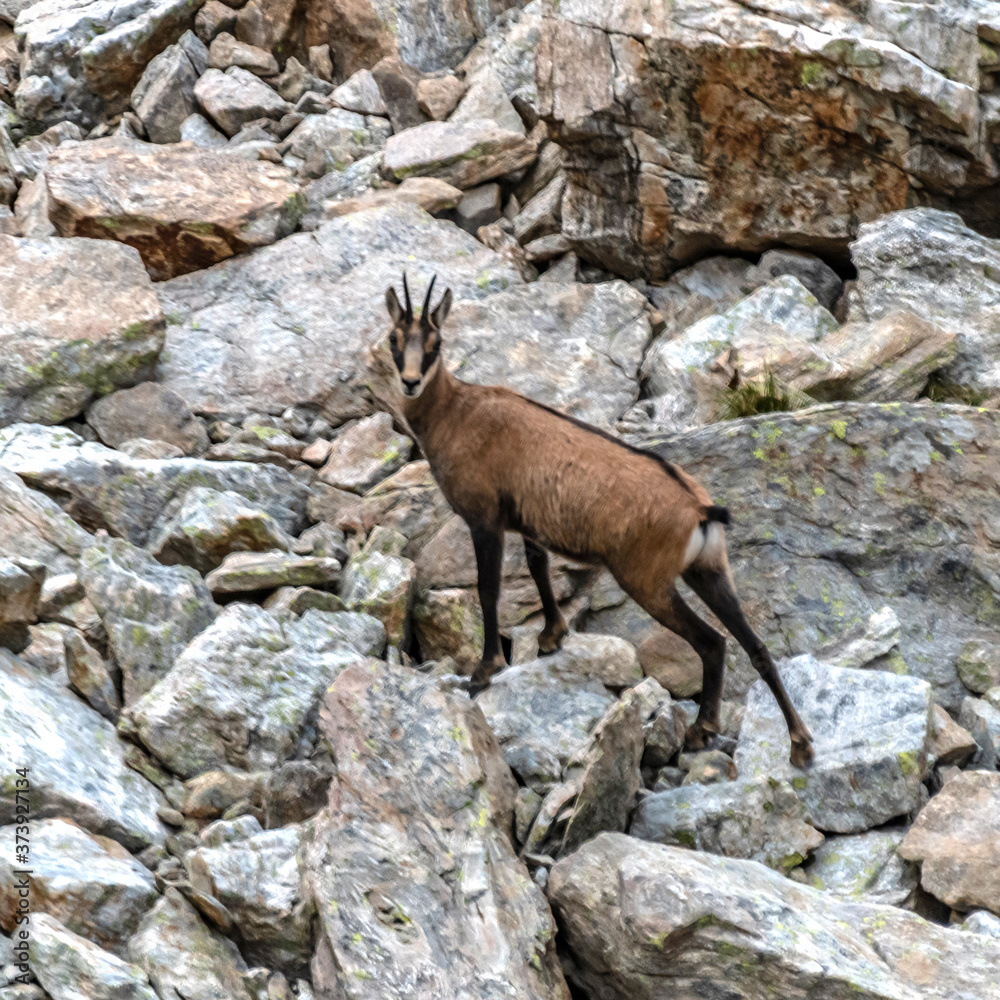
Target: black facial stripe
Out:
[428,359]
[397,356]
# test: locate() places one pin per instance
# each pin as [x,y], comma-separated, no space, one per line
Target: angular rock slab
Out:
[869,730]
[442,907]
[929,262]
[243,691]
[956,839]
[761,820]
[71,967]
[542,714]
[182,207]
[90,884]
[77,763]
[148,411]
[261,331]
[648,922]
[77,319]
[821,494]
[243,572]
[381,586]
[133,497]
[151,612]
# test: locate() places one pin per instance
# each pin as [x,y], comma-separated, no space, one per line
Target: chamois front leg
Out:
[551,637]
[488,544]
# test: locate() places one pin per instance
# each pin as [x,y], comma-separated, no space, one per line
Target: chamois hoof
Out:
[698,735]
[482,676]
[551,642]
[802,754]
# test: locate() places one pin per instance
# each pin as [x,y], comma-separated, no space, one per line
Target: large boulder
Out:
[695,125]
[182,207]
[233,98]
[134,497]
[280,665]
[644,921]
[148,411]
[869,729]
[78,318]
[293,323]
[441,907]
[81,58]
[164,96]
[819,498]
[76,761]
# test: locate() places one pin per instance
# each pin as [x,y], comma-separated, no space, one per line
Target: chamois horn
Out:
[425,312]
[409,304]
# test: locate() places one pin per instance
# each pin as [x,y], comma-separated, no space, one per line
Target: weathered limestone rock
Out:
[233,98]
[69,966]
[365,454]
[88,675]
[278,666]
[444,908]
[259,881]
[90,884]
[821,495]
[762,820]
[360,93]
[134,497]
[77,319]
[954,837]
[449,622]
[81,58]
[428,193]
[183,208]
[437,96]
[982,720]
[235,350]
[930,263]
[643,100]
[947,742]
[77,763]
[869,731]
[164,96]
[244,572]
[486,99]
[20,592]
[464,154]
[979,666]
[226,51]
[542,714]
[334,141]
[604,658]
[185,958]
[210,525]
[382,586]
[646,920]
[151,612]
[147,411]
[864,868]
[819,278]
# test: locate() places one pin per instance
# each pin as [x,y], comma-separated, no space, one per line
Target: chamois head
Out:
[415,343]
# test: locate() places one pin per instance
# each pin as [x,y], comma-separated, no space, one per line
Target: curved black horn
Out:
[425,313]
[409,304]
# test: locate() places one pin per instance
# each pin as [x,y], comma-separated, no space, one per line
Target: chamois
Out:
[507,463]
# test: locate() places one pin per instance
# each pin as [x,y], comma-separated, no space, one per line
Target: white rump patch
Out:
[705,543]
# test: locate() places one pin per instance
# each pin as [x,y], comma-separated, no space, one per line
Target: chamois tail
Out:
[718,514]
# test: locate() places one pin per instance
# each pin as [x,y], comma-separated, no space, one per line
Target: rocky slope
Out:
[237,615]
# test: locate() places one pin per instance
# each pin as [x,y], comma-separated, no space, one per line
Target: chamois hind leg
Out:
[671,611]
[551,637]
[715,587]
[488,544]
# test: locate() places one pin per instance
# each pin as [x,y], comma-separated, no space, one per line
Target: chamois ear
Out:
[392,304]
[440,313]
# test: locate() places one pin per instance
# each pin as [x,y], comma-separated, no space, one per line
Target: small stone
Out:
[88,676]
[438,96]
[235,97]
[706,767]
[978,665]
[147,411]
[212,19]
[397,83]
[479,207]
[818,277]
[365,454]
[382,586]
[164,96]
[948,743]
[244,572]
[226,51]
[320,62]
[360,93]
[172,817]
[299,600]
[317,453]
[982,720]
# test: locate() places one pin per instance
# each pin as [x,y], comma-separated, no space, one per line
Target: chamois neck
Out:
[433,402]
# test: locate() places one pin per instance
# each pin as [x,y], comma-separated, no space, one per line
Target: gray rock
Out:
[226,51]
[33,155]
[479,207]
[237,351]
[233,98]
[133,498]
[68,966]
[982,720]
[954,837]
[164,96]
[604,658]
[199,130]
[820,279]
[335,140]
[437,96]
[397,82]
[864,868]
[948,744]
[210,525]
[213,18]
[930,263]
[280,668]
[464,154]
[258,878]
[146,448]
[360,93]
[647,920]
[978,666]
[88,675]
[869,730]
[445,909]
[90,884]
[245,572]
[981,922]
[77,763]
[486,99]
[382,586]
[147,411]
[365,454]
[542,714]
[20,592]
[185,958]
[46,651]
[541,215]
[151,612]
[76,320]
[820,496]
[761,820]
